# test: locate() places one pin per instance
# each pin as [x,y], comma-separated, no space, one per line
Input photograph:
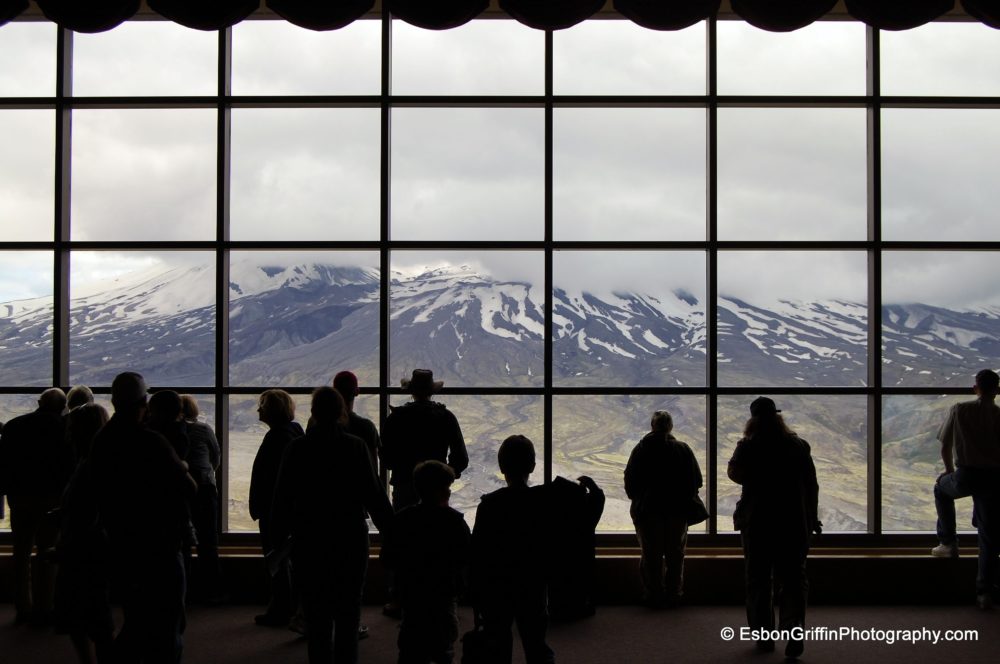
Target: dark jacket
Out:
[36,461]
[662,476]
[203,454]
[428,548]
[266,464]
[780,491]
[365,429]
[420,431]
[325,487]
[142,488]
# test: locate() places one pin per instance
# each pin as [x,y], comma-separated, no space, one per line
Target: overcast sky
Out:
[477,173]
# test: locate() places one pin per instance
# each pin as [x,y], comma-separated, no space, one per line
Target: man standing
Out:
[421,430]
[346,383]
[970,450]
[142,488]
[325,486]
[37,464]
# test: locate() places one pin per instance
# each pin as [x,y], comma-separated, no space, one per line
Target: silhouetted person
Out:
[276,409]
[325,487]
[165,417]
[417,431]
[346,383]
[662,479]
[143,489]
[776,513]
[428,548]
[37,463]
[203,458]
[574,510]
[79,395]
[508,550]
[970,450]
[82,586]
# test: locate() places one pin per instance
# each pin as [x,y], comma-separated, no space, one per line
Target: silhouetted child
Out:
[428,549]
[509,547]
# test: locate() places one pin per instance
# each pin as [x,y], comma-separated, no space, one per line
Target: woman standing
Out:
[776,513]
[277,410]
[662,479]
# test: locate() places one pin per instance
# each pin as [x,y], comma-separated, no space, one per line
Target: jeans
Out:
[662,540]
[949,487]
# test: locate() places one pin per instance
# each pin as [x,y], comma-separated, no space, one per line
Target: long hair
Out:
[771,424]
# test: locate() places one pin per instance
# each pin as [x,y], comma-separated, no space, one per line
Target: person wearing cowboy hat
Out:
[421,430]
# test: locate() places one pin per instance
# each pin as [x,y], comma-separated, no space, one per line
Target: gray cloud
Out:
[26,174]
[941,59]
[950,279]
[764,277]
[28,51]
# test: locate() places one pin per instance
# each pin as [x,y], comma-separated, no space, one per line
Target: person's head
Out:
[421,384]
[346,383]
[189,408]
[128,394]
[327,406]
[275,407]
[432,481]
[765,418]
[82,425]
[516,458]
[165,407]
[661,422]
[79,395]
[52,400]
[987,383]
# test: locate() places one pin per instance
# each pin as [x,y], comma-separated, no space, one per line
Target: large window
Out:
[572,230]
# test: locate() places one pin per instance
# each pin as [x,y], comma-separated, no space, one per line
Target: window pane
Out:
[478,58]
[939,174]
[628,319]
[837,432]
[629,174]
[129,60]
[26,317]
[940,317]
[824,58]
[305,174]
[793,318]
[940,59]
[279,58]
[792,174]
[297,318]
[623,58]
[474,319]
[486,421]
[144,174]
[600,443]
[467,174]
[28,51]
[27,175]
[911,461]
[149,312]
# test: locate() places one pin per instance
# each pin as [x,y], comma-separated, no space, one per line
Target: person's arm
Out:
[458,456]
[283,502]
[214,450]
[696,477]
[811,486]
[947,437]
[735,470]
[594,500]
[633,486]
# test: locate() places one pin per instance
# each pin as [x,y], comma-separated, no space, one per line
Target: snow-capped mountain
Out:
[295,324]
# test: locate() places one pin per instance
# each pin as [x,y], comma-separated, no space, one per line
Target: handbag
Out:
[696,511]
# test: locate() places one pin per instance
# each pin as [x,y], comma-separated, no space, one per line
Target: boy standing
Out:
[428,549]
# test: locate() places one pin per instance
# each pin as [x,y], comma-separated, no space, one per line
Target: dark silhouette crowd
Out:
[115,505]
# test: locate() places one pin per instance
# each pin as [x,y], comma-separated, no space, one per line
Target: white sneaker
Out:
[945,551]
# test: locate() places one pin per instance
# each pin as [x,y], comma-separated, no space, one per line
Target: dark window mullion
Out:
[547,441]
[61,212]
[874,157]
[385,175]
[223,162]
[712,287]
